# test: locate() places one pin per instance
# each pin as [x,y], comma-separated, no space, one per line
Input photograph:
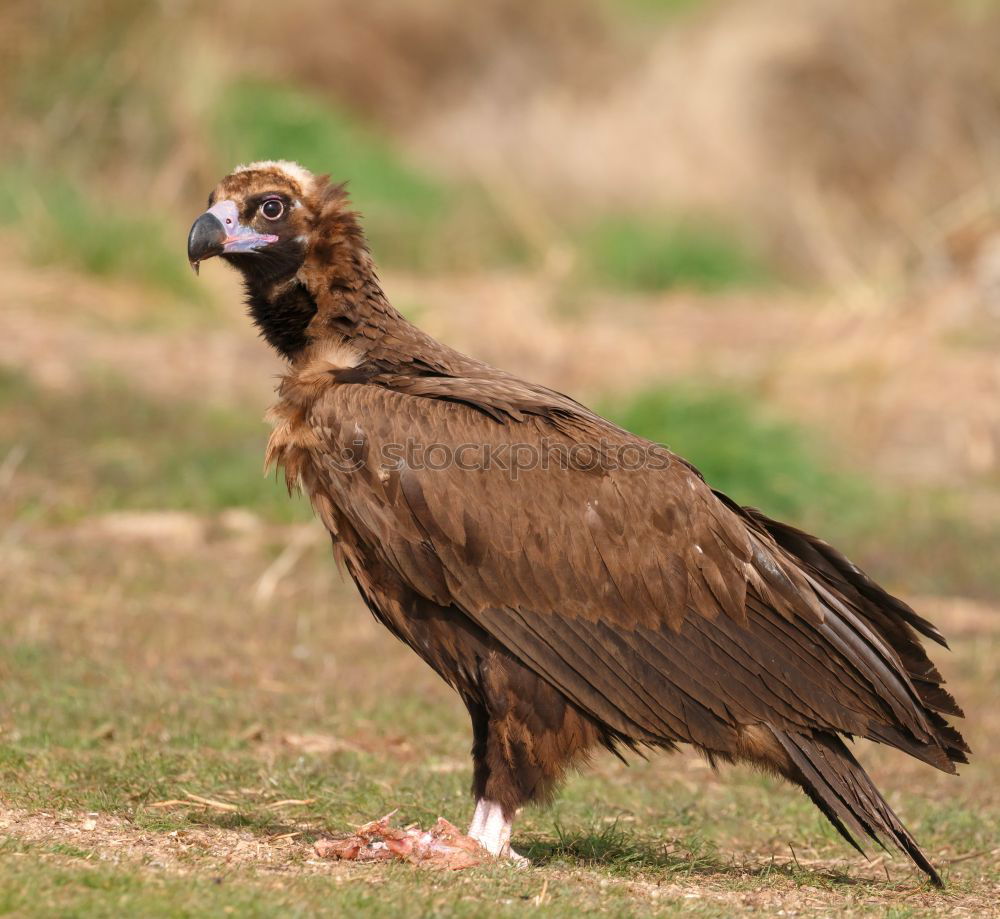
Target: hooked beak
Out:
[219,231]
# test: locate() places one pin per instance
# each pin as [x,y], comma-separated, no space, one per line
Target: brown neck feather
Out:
[340,274]
[350,305]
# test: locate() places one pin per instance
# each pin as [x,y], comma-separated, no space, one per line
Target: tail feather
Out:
[896,625]
[842,790]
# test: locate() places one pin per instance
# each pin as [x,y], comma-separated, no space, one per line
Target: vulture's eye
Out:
[272,208]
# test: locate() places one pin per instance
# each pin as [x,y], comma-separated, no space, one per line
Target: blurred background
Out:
[762,232]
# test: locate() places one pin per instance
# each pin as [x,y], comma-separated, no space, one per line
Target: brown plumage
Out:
[593,592]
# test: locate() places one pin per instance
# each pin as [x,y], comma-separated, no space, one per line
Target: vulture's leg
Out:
[525,735]
[489,827]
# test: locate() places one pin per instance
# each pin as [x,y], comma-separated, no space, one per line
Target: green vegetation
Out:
[106,447]
[69,212]
[62,223]
[914,541]
[647,11]
[413,220]
[401,206]
[256,121]
[652,255]
[744,452]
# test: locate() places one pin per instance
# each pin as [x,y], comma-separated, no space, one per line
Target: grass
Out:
[658,254]
[646,12]
[73,205]
[62,220]
[136,673]
[256,121]
[743,451]
[104,447]
[920,541]
[169,651]
[413,220]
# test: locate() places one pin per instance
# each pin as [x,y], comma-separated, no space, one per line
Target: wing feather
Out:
[651,602]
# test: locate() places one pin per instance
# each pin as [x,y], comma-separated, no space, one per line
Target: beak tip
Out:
[195,266]
[207,238]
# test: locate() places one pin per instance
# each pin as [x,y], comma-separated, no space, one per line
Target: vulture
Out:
[578,586]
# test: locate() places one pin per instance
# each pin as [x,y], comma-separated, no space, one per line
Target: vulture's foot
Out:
[517,859]
[491,830]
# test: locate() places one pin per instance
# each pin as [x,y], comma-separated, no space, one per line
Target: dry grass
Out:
[852,142]
[855,142]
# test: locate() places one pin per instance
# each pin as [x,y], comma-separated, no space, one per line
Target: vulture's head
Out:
[258,220]
[295,240]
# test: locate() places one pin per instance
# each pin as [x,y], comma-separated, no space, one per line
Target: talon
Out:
[517,859]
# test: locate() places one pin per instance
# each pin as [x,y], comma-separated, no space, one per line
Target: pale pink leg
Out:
[492,831]
[478,819]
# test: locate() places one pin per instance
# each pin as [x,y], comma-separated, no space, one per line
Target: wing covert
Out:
[651,603]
